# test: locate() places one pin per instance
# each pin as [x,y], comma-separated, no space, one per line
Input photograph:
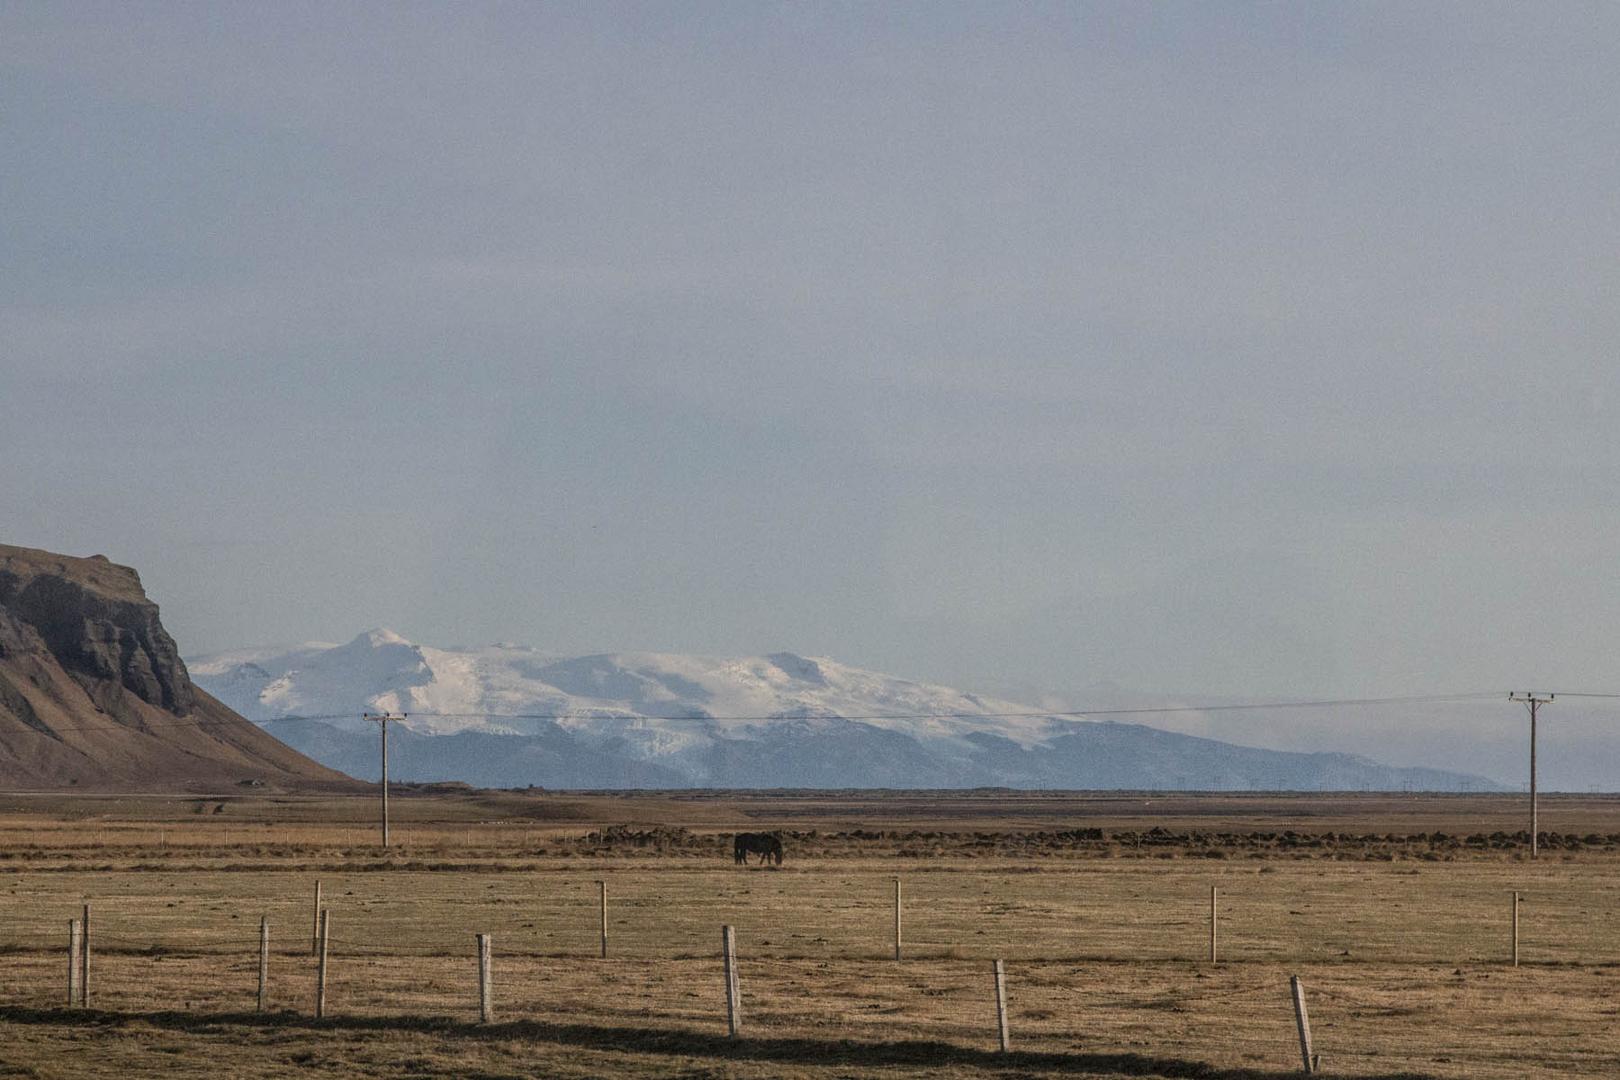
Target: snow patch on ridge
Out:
[661,703]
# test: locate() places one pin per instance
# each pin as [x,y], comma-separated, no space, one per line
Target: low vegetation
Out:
[1401,934]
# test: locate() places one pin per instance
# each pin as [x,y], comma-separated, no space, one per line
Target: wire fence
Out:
[1222,1018]
[1398,980]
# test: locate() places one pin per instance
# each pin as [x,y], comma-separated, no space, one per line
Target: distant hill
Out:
[94,696]
[509,716]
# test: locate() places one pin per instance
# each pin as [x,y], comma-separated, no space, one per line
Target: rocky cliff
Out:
[94,695]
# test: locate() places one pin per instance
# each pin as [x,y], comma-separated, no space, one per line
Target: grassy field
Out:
[1398,924]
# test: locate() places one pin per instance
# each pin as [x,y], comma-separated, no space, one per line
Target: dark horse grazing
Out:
[766,845]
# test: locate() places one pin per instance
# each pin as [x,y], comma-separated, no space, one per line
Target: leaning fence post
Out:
[486,1005]
[1302,1020]
[897,918]
[264,961]
[1001,1002]
[1515,929]
[320,971]
[728,951]
[1214,924]
[75,928]
[601,892]
[315,922]
[84,957]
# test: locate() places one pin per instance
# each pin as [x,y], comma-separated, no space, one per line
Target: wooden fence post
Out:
[264,962]
[601,891]
[320,971]
[84,957]
[1515,929]
[728,950]
[1001,1002]
[74,930]
[1302,1020]
[1214,925]
[897,918]
[486,1004]
[315,921]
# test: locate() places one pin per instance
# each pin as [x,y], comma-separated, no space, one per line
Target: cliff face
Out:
[93,693]
[94,618]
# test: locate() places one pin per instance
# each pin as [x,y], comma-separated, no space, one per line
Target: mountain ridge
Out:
[510,716]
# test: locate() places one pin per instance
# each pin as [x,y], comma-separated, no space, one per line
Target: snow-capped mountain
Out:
[510,716]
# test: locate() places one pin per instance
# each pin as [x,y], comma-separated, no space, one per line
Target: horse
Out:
[766,845]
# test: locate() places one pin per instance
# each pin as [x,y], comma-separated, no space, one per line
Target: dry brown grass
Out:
[1404,960]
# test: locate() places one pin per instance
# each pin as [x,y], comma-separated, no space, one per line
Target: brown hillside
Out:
[94,696]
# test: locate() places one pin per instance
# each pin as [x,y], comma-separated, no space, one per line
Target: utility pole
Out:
[1534,701]
[381,720]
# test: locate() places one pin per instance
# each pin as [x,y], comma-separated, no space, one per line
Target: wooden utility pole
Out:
[1534,701]
[381,720]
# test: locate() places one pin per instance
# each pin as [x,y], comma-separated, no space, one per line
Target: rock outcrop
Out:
[94,695]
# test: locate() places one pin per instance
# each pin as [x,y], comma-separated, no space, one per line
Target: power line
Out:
[1589,694]
[1032,714]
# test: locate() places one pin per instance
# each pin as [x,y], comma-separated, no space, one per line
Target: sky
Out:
[1206,349]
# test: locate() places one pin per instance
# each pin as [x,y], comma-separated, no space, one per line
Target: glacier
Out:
[512,716]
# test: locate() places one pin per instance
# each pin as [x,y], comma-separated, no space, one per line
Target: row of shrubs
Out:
[1192,843]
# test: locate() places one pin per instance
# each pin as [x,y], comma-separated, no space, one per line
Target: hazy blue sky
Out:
[1261,349]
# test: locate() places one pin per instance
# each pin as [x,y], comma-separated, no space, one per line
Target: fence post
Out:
[1001,1002]
[320,971]
[486,1005]
[1302,1020]
[264,961]
[601,892]
[1214,925]
[897,918]
[315,922]
[84,957]
[1515,929]
[728,950]
[74,930]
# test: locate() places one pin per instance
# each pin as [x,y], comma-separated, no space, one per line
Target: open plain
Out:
[1395,911]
